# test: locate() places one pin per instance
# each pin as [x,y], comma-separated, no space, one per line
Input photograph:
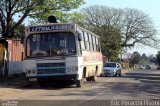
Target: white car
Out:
[111,69]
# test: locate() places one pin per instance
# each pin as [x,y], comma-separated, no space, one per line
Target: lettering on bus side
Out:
[92,58]
[51,28]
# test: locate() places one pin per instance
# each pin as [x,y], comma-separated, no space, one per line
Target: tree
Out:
[143,60]
[35,9]
[76,17]
[110,42]
[152,59]
[135,27]
[158,58]
[144,56]
[135,58]
[60,8]
[109,35]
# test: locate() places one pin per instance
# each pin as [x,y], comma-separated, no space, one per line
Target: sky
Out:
[150,7]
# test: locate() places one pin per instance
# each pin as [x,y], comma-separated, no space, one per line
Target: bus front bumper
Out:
[53,78]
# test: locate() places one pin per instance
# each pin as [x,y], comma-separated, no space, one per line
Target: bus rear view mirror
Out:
[79,36]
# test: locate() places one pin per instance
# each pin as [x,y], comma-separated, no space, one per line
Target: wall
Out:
[15,57]
[16,50]
[15,67]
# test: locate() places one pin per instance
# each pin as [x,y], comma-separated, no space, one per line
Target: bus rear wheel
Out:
[93,78]
[88,79]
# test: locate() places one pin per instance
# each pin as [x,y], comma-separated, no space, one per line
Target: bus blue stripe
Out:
[40,75]
[51,67]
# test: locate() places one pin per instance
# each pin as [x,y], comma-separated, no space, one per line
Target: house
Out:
[11,56]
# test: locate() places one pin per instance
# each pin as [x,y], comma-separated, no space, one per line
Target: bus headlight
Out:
[69,69]
[33,71]
[72,69]
[29,72]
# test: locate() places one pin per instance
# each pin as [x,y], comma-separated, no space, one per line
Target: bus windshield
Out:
[51,44]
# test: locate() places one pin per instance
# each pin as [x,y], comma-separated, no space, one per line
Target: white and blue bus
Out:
[66,52]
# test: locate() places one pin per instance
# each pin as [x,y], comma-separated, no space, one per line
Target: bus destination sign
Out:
[51,28]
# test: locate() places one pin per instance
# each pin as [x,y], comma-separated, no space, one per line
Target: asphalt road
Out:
[134,86]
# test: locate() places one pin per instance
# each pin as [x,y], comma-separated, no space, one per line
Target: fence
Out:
[15,67]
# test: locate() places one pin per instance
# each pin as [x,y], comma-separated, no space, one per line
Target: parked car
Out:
[158,67]
[111,69]
[148,67]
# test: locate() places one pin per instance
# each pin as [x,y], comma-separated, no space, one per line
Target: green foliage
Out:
[59,8]
[94,19]
[110,42]
[37,10]
[76,17]
[158,58]
[135,58]
[144,60]
[144,56]
[153,60]
[19,31]
[132,25]
[147,60]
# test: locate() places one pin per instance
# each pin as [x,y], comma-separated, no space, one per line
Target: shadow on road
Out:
[20,82]
[132,84]
[140,76]
[149,85]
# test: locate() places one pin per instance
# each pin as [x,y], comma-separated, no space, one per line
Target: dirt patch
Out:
[16,87]
[125,70]
[14,81]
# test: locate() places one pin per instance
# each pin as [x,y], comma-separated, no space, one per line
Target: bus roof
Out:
[88,31]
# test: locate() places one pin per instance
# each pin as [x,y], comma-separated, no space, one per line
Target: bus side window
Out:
[94,45]
[86,40]
[97,45]
[90,41]
[85,47]
[89,46]
[99,49]
[82,41]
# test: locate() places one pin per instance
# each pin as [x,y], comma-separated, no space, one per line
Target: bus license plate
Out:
[32,79]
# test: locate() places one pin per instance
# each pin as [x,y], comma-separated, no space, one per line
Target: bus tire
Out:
[88,79]
[94,77]
[79,83]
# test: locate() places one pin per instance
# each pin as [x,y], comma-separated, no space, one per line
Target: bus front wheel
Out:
[79,83]
[88,79]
